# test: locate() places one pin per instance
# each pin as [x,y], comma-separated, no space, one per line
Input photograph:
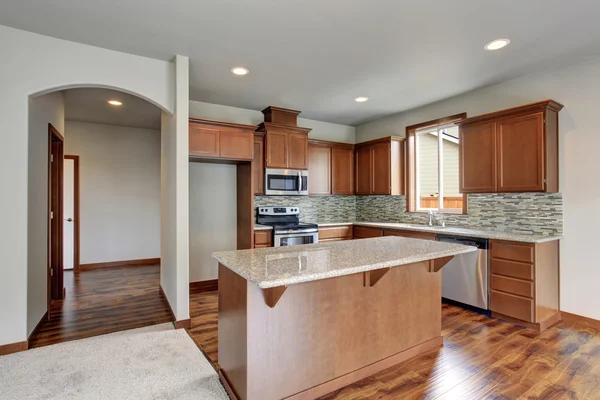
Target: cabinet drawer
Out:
[262,238]
[511,268]
[363,232]
[512,306]
[512,251]
[335,232]
[512,285]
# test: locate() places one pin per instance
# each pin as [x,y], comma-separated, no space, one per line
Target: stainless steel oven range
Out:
[287,228]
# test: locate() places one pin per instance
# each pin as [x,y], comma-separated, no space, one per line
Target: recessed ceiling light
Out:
[361,99]
[115,103]
[497,44]
[241,71]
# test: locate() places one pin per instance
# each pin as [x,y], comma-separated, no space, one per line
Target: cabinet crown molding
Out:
[525,109]
[265,126]
[380,140]
[221,124]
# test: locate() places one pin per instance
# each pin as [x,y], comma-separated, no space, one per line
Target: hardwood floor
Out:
[482,358]
[103,301]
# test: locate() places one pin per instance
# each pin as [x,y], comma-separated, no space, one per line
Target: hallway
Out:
[103,301]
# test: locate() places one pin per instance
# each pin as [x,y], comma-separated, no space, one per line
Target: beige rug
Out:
[157,362]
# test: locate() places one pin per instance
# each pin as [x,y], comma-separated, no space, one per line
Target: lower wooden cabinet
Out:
[335,233]
[365,232]
[263,239]
[524,282]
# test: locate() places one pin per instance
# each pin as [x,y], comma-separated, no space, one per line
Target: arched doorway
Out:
[96,302]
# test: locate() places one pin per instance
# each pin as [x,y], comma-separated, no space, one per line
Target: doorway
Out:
[55,215]
[71,213]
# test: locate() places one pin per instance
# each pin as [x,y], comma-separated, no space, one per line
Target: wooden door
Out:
[381,175]
[477,158]
[362,160]
[236,145]
[297,148]
[55,214]
[342,171]
[520,152]
[203,142]
[276,149]
[319,169]
[258,164]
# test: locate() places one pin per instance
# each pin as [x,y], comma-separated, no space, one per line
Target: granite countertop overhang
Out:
[284,266]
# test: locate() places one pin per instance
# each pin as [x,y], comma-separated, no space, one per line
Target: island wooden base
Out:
[323,335]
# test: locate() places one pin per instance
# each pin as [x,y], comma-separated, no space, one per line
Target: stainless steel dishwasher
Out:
[465,277]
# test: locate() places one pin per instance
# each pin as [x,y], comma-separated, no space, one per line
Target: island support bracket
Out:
[437,264]
[272,295]
[372,277]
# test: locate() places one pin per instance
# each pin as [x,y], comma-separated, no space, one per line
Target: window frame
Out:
[411,162]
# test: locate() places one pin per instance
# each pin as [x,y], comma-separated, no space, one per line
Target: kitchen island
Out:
[299,322]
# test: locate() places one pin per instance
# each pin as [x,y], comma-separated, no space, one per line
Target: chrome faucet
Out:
[430,214]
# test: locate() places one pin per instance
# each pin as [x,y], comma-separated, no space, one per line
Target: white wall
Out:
[578,88]
[34,65]
[213,221]
[119,185]
[43,110]
[174,200]
[320,130]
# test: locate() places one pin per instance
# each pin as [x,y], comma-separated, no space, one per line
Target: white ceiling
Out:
[91,105]
[318,55]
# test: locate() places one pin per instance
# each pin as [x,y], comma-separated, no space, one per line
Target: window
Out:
[433,173]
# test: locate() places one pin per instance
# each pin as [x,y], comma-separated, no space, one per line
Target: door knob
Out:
[69,219]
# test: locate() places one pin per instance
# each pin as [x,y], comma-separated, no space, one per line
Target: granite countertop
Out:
[449,230]
[281,266]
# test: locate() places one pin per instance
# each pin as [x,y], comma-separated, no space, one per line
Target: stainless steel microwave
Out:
[286,182]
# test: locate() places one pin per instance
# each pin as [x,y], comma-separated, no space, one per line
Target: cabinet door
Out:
[236,145]
[342,171]
[477,158]
[258,165]
[319,169]
[362,160]
[297,148]
[203,142]
[276,143]
[381,175]
[520,149]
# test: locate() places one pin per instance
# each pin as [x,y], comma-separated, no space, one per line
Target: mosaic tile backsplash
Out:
[315,208]
[523,213]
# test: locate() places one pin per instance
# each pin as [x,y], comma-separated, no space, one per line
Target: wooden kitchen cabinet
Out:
[331,168]
[364,232]
[342,170]
[285,146]
[335,233]
[524,282]
[319,168]
[258,164]
[379,167]
[220,140]
[263,238]
[514,150]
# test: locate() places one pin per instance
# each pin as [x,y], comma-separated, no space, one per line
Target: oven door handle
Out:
[300,232]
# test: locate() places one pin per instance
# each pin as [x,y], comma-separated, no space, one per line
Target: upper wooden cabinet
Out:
[331,168]
[379,166]
[220,140]
[514,150]
[258,164]
[285,146]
